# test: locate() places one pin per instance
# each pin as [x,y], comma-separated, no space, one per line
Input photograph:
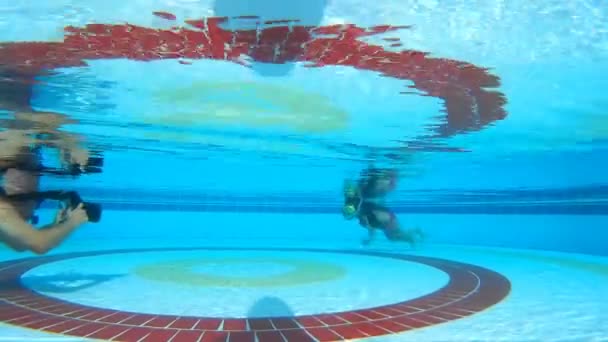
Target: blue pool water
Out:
[226,148]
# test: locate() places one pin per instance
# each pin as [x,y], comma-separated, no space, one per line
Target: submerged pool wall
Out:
[221,202]
[566,233]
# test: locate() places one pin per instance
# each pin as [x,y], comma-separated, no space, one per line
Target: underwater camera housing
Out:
[94,165]
[72,200]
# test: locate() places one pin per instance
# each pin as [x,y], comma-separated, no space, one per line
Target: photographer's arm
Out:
[20,235]
[36,124]
[70,146]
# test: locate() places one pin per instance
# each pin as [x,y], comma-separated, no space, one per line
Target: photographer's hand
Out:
[77,215]
[22,236]
[62,214]
[78,156]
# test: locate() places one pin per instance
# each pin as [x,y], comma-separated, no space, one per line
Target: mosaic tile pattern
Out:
[471,289]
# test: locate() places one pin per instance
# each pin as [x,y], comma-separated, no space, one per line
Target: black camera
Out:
[72,200]
[94,165]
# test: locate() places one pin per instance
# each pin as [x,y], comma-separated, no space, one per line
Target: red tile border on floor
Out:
[352,317]
[390,312]
[115,317]
[88,329]
[107,333]
[184,323]
[471,289]
[370,314]
[79,313]
[297,335]
[310,322]
[348,331]
[234,325]
[260,324]
[160,322]
[159,335]
[41,322]
[371,329]
[22,320]
[214,336]
[208,324]
[392,326]
[64,326]
[241,336]
[10,312]
[94,316]
[133,334]
[269,336]
[285,323]
[139,319]
[331,319]
[323,334]
[187,336]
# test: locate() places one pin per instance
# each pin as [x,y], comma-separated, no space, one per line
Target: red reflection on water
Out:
[463,86]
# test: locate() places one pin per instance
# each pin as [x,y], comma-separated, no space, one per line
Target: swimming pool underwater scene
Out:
[303,171]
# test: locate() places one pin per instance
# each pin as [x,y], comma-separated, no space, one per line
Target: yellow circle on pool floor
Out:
[182,272]
[250,104]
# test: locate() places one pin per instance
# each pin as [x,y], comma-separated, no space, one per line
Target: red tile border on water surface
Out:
[471,289]
[470,93]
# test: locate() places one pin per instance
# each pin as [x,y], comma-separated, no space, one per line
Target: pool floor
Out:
[235,293]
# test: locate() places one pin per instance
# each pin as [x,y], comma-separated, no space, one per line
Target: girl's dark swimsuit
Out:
[367,217]
[366,213]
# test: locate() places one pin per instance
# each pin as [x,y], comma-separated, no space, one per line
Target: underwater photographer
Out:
[21,167]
